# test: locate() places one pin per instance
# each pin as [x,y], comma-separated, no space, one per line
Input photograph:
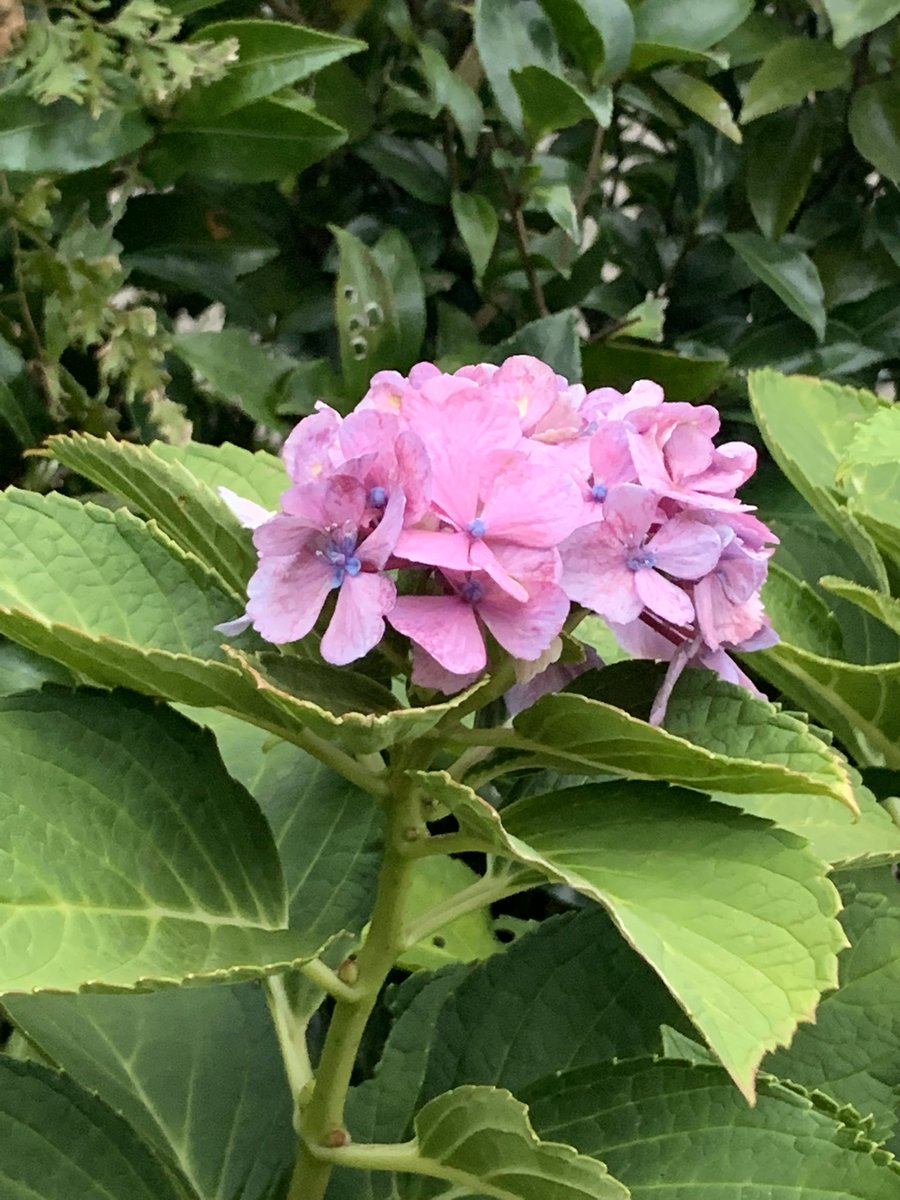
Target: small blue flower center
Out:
[640,560]
[338,552]
[377,497]
[599,490]
[477,528]
[472,591]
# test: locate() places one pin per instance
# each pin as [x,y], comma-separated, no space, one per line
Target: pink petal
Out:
[379,545]
[610,455]
[686,549]
[358,621]
[286,596]
[283,536]
[721,621]
[426,548]
[311,448]
[526,629]
[413,475]
[629,512]
[662,597]
[428,673]
[482,557]
[445,626]
[532,385]
[235,626]
[594,574]
[531,505]
[336,501]
[688,451]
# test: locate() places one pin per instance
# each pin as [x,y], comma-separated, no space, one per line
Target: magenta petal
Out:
[527,629]
[358,621]
[662,597]
[445,626]
[286,596]
[686,549]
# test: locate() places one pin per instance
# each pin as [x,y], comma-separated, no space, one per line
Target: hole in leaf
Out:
[439,942]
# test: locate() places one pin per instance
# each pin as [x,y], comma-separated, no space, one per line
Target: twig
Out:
[590,175]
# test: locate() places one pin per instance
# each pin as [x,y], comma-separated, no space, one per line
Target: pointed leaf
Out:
[63,138]
[259,477]
[510,35]
[271,56]
[236,368]
[789,72]
[781,156]
[851,19]
[875,126]
[665,22]
[367,318]
[702,99]
[60,1142]
[886,608]
[676,1132]
[599,34]
[187,1069]
[454,94]
[189,511]
[395,256]
[790,273]
[550,102]
[478,225]
[157,869]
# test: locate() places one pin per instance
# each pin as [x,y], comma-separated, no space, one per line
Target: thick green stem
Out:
[322,1120]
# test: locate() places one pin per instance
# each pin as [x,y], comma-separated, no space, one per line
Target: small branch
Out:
[322,976]
[446,843]
[534,284]
[590,176]
[291,1035]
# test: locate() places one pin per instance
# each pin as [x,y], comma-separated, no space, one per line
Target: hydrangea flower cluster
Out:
[492,500]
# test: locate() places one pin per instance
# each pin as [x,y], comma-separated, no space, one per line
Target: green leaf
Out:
[395,256]
[187,1069]
[549,102]
[264,141]
[412,163]
[271,56]
[702,99]
[876,442]
[800,614]
[599,34]
[259,477]
[451,92]
[853,1050]
[666,22]
[875,125]
[158,869]
[553,339]
[677,1132]
[746,952]
[789,72]
[835,835]
[236,368]
[367,319]
[884,607]
[480,1140]
[860,703]
[63,138]
[510,35]
[781,156]
[328,833]
[190,512]
[790,273]
[478,225]
[22,670]
[467,938]
[60,1142]
[851,19]
[786,409]
[717,737]
[618,364]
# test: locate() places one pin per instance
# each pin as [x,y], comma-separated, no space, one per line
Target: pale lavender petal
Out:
[357,625]
[686,549]
[662,597]
[428,673]
[678,662]
[250,514]
[310,451]
[553,679]
[286,596]
[283,536]
[526,629]
[235,626]
[379,545]
[445,626]
[728,670]
[629,511]
[591,558]
[721,621]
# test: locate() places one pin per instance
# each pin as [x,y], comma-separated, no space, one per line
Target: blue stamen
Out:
[338,552]
[640,560]
[377,497]
[472,591]
[477,528]
[599,490]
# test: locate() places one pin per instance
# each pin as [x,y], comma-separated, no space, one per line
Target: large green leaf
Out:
[618,364]
[236,368]
[60,1142]
[835,835]
[64,138]
[860,703]
[666,32]
[853,1050]
[480,1140]
[510,35]
[789,72]
[717,737]
[328,833]
[875,125]
[882,606]
[189,511]
[599,34]
[367,318]
[264,141]
[789,272]
[677,1132]
[747,950]
[259,477]
[156,869]
[271,56]
[395,256]
[22,670]
[786,409]
[851,19]
[801,614]
[550,102]
[196,1072]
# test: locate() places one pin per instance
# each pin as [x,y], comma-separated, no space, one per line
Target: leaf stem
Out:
[322,1120]
[487,890]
